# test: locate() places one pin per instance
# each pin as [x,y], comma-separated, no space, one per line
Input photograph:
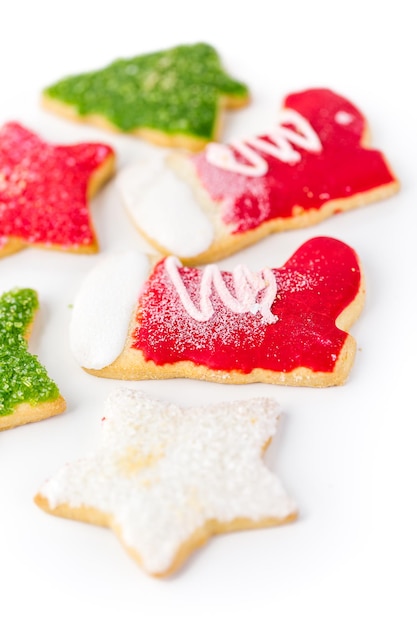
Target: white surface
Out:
[346,455]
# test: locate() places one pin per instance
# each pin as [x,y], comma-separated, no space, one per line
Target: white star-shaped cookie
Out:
[166,478]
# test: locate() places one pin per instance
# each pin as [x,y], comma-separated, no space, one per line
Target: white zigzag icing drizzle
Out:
[247,286]
[277,144]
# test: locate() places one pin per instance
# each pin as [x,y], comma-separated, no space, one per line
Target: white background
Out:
[346,455]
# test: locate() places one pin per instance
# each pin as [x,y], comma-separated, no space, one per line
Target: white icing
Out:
[163,207]
[247,287]
[104,306]
[277,145]
[161,472]
[343,118]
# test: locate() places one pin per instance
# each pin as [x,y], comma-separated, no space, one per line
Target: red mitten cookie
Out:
[44,191]
[135,320]
[314,163]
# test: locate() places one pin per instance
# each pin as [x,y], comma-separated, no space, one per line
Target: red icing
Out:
[342,169]
[43,188]
[317,283]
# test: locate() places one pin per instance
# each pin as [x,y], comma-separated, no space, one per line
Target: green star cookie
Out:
[174,97]
[27,394]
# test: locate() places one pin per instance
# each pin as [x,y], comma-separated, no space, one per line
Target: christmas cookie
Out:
[174,97]
[133,319]
[27,394]
[166,478]
[45,190]
[315,162]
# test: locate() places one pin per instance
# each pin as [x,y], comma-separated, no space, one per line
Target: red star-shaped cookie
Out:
[45,189]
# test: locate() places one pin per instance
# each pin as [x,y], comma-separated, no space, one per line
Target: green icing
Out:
[174,91]
[22,377]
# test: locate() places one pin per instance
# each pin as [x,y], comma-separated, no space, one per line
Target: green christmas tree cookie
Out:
[174,97]
[27,394]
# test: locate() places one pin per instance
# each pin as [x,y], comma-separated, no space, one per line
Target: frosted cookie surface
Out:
[45,191]
[283,325]
[317,161]
[166,478]
[172,97]
[27,394]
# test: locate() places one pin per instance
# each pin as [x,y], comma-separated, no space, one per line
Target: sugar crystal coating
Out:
[176,91]
[44,188]
[162,472]
[22,377]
